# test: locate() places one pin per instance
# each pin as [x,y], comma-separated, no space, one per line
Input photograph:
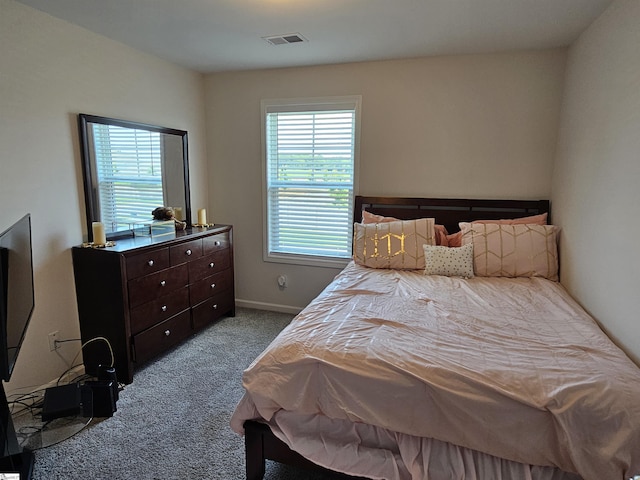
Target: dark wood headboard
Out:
[448,211]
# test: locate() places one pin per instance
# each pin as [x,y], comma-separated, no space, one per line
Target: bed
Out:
[391,373]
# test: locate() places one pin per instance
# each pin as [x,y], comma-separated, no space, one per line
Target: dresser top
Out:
[140,243]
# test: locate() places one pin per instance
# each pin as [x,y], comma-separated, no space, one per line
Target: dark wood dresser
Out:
[145,295]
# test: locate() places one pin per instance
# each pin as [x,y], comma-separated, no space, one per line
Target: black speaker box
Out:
[61,401]
[108,374]
[104,401]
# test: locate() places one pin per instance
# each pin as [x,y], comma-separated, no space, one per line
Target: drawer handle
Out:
[167,333]
[211,265]
[213,285]
[188,252]
[217,243]
[215,306]
[163,283]
[150,263]
[164,308]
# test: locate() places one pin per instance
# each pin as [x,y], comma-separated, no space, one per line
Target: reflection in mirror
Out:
[129,170]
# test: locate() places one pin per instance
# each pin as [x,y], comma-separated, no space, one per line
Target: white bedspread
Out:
[383,361]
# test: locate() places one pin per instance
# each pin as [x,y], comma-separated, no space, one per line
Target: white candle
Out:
[177,213]
[202,216]
[99,237]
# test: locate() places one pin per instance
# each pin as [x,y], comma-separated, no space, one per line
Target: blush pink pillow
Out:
[455,239]
[532,220]
[521,250]
[440,232]
[368,217]
[441,235]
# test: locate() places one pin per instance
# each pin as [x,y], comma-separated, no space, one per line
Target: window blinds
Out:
[310,179]
[129,171]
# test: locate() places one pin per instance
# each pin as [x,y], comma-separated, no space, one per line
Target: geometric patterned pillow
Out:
[396,245]
[501,250]
[447,261]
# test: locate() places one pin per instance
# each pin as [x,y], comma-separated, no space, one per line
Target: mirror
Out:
[130,169]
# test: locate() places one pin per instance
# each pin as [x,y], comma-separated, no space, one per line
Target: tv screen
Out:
[16,291]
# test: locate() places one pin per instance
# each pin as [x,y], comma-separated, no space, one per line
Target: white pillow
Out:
[448,261]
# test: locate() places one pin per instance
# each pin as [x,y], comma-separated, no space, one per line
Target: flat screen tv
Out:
[16,291]
[16,307]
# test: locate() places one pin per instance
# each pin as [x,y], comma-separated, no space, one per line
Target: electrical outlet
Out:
[53,336]
[282,281]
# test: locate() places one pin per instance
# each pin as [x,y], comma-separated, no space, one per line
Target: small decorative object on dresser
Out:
[145,295]
[169,213]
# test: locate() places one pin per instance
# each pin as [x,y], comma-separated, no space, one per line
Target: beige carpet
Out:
[173,420]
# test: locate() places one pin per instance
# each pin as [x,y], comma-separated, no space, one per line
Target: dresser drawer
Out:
[185,252]
[156,311]
[212,309]
[205,288]
[146,294]
[208,265]
[146,263]
[216,242]
[155,340]
[150,287]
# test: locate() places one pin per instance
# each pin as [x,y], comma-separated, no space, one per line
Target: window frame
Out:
[304,105]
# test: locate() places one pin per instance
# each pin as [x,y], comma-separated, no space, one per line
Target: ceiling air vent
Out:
[287,39]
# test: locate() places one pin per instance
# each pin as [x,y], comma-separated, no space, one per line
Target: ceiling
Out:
[222,35]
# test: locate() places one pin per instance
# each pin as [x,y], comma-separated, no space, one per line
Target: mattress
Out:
[398,375]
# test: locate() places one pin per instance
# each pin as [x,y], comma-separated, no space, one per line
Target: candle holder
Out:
[155,228]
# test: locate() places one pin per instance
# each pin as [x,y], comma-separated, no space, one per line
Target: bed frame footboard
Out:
[261,444]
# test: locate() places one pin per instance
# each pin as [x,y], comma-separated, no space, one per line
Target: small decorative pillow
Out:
[501,250]
[450,262]
[396,245]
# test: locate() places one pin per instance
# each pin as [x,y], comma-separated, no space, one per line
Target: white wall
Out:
[596,183]
[481,126]
[50,71]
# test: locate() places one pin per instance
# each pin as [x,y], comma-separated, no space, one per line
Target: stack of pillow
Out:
[521,247]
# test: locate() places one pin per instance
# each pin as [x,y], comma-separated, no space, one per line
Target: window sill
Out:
[311,261]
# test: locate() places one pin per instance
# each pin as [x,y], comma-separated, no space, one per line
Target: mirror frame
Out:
[88,168]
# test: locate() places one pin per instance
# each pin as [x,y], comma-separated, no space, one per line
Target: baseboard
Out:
[272,307]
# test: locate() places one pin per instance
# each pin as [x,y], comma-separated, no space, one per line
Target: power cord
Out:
[95,339]
[33,401]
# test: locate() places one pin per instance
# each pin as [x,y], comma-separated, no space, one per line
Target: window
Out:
[129,173]
[309,162]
